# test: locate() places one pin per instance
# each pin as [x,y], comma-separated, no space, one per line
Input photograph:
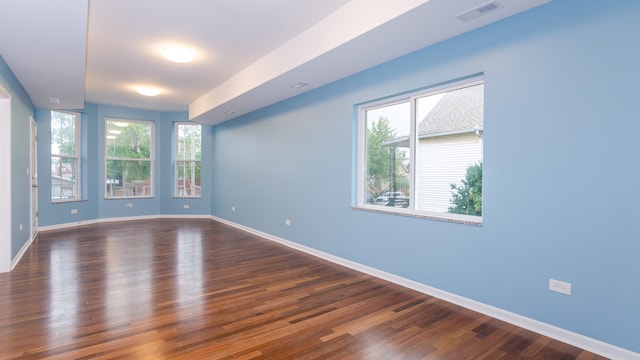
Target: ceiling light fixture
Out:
[178,54]
[53,100]
[147,91]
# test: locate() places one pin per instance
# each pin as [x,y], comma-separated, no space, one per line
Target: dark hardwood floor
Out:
[198,289]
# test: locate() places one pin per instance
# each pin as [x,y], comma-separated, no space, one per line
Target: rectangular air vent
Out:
[479,11]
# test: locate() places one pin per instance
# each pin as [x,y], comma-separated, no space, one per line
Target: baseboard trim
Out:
[117,219]
[566,336]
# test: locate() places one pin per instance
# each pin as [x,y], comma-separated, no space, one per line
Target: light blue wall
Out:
[21,110]
[94,205]
[560,170]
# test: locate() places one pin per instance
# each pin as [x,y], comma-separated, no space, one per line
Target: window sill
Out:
[446,217]
[129,197]
[67,201]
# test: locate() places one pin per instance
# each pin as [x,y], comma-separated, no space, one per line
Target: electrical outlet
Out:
[287,222]
[560,286]
[233,208]
[185,206]
[20,227]
[129,205]
[74,211]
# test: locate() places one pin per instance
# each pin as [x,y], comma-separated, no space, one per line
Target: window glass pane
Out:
[187,160]
[189,139]
[128,140]
[63,178]
[129,164]
[63,133]
[188,178]
[449,151]
[387,146]
[128,178]
[65,156]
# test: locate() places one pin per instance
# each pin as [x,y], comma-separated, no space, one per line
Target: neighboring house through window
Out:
[129,158]
[65,156]
[428,163]
[188,155]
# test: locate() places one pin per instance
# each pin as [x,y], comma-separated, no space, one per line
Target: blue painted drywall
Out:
[21,110]
[94,206]
[560,167]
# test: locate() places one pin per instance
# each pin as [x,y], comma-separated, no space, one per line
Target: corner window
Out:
[65,156]
[129,158]
[188,155]
[422,154]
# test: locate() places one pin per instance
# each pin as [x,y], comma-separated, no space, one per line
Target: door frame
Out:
[33,168]
[5,181]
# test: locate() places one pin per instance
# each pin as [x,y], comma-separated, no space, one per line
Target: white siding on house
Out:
[441,161]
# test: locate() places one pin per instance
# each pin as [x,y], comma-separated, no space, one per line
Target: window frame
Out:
[77,157]
[362,154]
[176,160]
[151,158]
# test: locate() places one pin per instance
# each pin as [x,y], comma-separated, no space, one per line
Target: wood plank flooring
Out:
[198,289]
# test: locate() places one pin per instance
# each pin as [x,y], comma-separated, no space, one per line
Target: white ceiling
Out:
[248,52]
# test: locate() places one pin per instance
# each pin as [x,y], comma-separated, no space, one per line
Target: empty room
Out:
[339,179]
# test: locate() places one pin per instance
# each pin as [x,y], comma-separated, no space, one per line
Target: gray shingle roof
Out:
[457,111]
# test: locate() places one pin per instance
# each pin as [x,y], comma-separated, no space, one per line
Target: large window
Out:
[129,158]
[422,154]
[65,156]
[188,155]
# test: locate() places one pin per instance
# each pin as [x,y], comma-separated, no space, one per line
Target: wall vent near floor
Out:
[478,11]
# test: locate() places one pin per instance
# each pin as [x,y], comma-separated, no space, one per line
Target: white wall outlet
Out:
[233,208]
[74,211]
[560,286]
[20,227]
[129,205]
[287,222]
[185,206]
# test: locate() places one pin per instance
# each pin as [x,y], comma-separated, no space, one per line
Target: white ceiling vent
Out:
[479,11]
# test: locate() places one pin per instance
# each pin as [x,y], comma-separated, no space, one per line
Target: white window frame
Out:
[361,156]
[176,180]
[151,158]
[77,157]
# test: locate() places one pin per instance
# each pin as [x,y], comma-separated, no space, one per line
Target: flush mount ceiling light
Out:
[147,91]
[178,54]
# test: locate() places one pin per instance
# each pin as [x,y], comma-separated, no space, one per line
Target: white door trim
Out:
[5,181]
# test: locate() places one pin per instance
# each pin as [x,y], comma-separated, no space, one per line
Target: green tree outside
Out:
[128,156]
[383,161]
[467,197]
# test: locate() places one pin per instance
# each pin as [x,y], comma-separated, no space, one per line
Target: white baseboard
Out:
[116,219]
[554,332]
